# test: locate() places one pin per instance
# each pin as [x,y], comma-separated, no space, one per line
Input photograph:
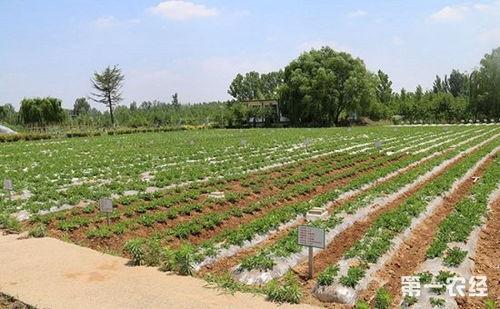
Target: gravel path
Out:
[50,273]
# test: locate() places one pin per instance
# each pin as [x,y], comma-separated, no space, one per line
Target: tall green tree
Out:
[7,113]
[458,83]
[256,86]
[485,96]
[322,84]
[108,85]
[384,88]
[270,83]
[41,111]
[81,107]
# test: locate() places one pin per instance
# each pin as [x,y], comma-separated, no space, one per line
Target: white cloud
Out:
[357,13]
[459,12]
[493,7]
[107,22]
[450,13]
[317,44]
[182,10]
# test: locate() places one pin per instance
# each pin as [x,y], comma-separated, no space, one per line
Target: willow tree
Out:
[323,84]
[108,86]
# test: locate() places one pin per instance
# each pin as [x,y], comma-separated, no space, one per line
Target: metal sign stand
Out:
[311,237]
[311,270]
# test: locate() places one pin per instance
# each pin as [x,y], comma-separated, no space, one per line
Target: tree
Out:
[38,111]
[269,84]
[384,88]
[175,101]
[485,86]
[437,86]
[322,84]
[255,86]
[81,107]
[419,93]
[458,83]
[6,111]
[108,84]
[246,88]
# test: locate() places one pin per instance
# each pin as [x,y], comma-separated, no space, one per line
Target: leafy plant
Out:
[361,304]
[285,291]
[437,302]
[261,261]
[181,260]
[327,276]
[409,301]
[38,231]
[354,274]
[383,299]
[454,257]
[425,277]
[144,251]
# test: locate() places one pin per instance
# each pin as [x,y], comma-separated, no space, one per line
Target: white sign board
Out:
[311,236]
[7,185]
[106,205]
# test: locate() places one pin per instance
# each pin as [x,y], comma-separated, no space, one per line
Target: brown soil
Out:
[487,260]
[413,251]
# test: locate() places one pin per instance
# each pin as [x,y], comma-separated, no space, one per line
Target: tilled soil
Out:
[412,252]
[115,243]
[228,263]
[487,260]
[346,239]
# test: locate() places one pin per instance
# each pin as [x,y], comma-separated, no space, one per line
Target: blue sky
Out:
[195,48]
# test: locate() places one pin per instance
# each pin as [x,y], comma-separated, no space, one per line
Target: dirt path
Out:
[412,252]
[486,259]
[49,273]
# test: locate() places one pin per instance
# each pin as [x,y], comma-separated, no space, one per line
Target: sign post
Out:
[106,206]
[7,186]
[311,237]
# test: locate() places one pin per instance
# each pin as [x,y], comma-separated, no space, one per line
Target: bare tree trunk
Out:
[110,104]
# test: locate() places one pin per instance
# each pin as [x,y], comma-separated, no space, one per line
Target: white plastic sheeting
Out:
[5,130]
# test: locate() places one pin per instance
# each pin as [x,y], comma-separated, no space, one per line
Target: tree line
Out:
[321,87]
[325,87]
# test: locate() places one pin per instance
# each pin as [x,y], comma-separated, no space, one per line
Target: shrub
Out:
[9,224]
[144,251]
[181,260]
[437,302]
[454,257]
[286,291]
[38,231]
[383,299]
[354,274]
[361,304]
[261,261]
[326,277]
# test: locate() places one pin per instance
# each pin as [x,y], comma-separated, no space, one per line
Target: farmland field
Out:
[225,205]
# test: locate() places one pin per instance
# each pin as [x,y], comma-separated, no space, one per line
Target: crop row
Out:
[379,237]
[97,167]
[266,258]
[246,232]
